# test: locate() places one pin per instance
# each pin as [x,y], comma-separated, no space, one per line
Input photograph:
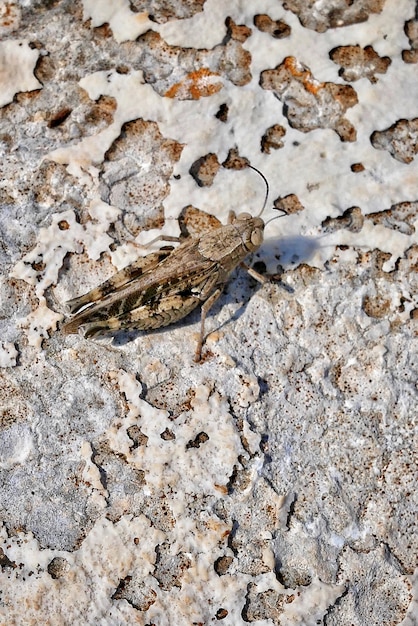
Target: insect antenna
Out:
[276,217]
[267,188]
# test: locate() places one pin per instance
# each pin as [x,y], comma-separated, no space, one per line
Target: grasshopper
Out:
[165,286]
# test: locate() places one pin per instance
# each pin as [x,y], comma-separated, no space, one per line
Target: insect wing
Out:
[116,282]
[168,277]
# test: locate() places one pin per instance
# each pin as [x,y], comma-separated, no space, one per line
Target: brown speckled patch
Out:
[308,103]
[205,169]
[376,306]
[13,407]
[276,28]
[411,31]
[400,140]
[10,15]
[357,62]
[352,219]
[234,161]
[400,217]
[289,204]
[272,138]
[133,589]
[58,567]
[263,605]
[169,568]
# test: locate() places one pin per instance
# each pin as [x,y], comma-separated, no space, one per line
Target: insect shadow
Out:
[288,251]
[291,251]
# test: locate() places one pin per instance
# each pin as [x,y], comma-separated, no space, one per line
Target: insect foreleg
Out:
[256,275]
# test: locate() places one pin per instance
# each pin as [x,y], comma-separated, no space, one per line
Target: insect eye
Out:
[257,237]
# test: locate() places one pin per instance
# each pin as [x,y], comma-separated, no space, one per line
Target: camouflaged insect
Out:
[165,286]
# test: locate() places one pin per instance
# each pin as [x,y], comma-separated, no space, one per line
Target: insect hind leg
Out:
[204,311]
[167,310]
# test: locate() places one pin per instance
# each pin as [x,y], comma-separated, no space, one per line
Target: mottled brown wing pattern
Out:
[146,296]
[157,313]
[116,282]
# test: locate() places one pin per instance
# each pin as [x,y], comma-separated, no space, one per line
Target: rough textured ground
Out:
[275,481]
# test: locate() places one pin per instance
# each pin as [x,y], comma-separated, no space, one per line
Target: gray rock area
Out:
[275,481]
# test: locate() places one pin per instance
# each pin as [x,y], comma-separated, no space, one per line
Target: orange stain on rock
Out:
[304,75]
[195,85]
